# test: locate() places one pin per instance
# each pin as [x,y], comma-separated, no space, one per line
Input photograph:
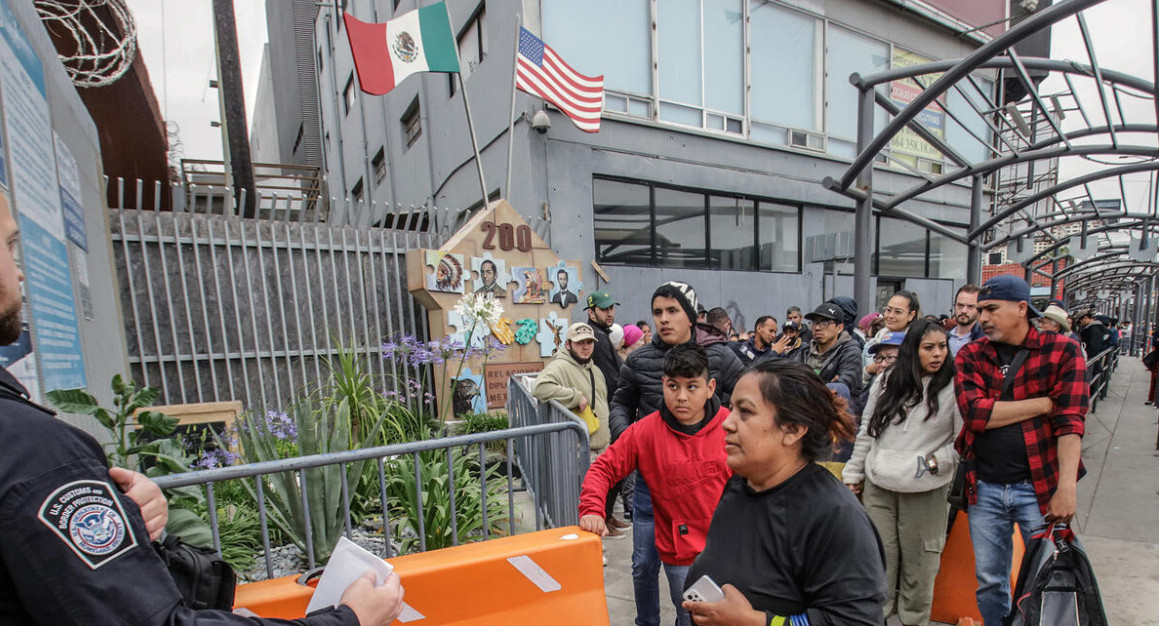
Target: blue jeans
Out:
[992,521]
[645,559]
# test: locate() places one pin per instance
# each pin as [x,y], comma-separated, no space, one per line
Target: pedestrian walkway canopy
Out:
[1090,231]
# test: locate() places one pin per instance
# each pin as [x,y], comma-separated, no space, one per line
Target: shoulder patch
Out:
[87,516]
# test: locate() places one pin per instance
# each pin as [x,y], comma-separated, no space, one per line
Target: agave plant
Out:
[318,428]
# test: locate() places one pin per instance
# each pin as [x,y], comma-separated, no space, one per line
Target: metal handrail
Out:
[539,445]
[1099,370]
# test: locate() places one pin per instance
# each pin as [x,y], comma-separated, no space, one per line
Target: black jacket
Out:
[640,392]
[73,549]
[841,364]
[606,357]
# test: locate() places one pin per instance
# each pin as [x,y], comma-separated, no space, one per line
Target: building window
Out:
[319,61]
[379,163]
[472,44]
[639,223]
[298,139]
[348,93]
[797,64]
[356,192]
[901,248]
[412,124]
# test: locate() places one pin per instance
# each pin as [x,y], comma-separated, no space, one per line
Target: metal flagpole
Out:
[467,108]
[511,116]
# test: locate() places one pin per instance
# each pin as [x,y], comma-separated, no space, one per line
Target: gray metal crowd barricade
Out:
[553,470]
[1100,368]
[548,453]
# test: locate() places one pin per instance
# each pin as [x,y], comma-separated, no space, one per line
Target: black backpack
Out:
[1056,585]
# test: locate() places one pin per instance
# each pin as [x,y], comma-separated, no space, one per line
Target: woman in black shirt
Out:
[789,544]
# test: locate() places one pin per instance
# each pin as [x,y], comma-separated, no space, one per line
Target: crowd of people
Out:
[716,438]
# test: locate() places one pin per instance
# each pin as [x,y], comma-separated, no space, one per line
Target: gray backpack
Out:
[1056,585]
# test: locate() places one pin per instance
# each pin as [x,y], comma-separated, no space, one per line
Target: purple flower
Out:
[281,426]
[217,457]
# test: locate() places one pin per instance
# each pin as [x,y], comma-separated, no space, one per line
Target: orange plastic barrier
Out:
[957,583]
[547,577]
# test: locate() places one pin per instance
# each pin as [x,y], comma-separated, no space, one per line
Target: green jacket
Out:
[566,381]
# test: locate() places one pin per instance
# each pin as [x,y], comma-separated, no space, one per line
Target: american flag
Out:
[542,73]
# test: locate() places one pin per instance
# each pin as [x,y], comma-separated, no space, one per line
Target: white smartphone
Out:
[704,590]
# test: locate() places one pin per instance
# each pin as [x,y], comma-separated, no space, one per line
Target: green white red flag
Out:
[417,41]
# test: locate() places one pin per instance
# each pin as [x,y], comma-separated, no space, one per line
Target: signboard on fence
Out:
[496,253]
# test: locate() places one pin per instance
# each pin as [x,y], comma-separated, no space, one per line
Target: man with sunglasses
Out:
[1024,398]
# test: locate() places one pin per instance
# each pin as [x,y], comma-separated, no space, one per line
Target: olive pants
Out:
[913,532]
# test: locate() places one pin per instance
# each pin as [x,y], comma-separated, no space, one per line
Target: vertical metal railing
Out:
[559,445]
[543,463]
[223,308]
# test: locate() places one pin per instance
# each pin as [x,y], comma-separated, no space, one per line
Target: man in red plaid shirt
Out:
[1023,439]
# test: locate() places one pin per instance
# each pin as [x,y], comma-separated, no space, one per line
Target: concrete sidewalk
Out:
[1118,518]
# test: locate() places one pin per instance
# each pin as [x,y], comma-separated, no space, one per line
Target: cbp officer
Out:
[73,548]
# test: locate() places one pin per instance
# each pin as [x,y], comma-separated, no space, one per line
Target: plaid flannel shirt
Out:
[1054,368]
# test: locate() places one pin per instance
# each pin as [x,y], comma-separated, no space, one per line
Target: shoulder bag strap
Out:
[1012,371]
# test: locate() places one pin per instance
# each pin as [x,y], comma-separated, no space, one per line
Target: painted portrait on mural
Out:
[445,271]
[531,285]
[490,276]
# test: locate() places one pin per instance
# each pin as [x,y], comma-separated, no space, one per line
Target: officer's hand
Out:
[374,606]
[583,403]
[147,496]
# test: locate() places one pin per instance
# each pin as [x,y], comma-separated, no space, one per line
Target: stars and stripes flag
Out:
[541,72]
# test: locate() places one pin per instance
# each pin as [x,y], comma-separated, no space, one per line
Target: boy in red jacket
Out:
[679,451]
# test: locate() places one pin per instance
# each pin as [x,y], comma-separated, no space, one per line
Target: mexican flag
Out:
[385,54]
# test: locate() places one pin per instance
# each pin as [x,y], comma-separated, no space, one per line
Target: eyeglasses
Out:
[888,310]
[821,323]
[884,358]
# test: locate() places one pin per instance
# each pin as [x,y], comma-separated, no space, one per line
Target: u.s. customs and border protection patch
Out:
[88,517]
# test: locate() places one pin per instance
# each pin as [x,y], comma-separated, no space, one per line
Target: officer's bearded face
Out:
[10,277]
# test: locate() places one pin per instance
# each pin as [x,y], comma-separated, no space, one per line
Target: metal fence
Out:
[560,445]
[218,307]
[1099,371]
[556,485]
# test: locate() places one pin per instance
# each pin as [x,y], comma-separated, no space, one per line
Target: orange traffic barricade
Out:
[547,577]
[956,583]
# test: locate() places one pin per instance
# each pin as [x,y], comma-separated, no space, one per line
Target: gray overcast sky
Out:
[176,40]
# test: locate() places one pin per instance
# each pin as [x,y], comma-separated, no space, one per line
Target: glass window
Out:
[680,228]
[778,237]
[623,53]
[847,53]
[901,248]
[731,226]
[678,29]
[948,258]
[724,55]
[412,123]
[784,46]
[956,135]
[623,222]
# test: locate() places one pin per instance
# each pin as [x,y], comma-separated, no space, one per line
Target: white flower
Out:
[479,309]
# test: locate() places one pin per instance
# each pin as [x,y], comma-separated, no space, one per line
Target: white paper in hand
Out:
[348,562]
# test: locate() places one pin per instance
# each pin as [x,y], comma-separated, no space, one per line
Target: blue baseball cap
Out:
[890,338]
[1010,289]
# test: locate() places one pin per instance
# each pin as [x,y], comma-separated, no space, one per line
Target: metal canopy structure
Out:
[1089,232]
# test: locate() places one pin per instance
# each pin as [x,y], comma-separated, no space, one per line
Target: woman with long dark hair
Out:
[903,462]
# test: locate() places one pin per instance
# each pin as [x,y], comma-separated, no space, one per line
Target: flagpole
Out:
[470,121]
[511,116]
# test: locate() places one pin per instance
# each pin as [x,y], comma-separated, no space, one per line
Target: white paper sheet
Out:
[348,562]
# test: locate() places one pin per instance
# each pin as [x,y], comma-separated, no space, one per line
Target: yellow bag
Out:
[590,418]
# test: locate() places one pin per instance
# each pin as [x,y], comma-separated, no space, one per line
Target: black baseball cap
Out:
[826,311]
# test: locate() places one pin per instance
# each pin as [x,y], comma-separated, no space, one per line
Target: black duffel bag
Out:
[203,578]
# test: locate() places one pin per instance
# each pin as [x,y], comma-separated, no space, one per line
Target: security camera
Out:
[541,122]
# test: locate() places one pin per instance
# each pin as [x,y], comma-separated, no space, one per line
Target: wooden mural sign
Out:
[496,253]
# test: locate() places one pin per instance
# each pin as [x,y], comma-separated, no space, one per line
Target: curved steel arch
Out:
[1024,149]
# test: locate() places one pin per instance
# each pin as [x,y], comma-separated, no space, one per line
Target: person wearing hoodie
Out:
[833,354]
[848,308]
[912,413]
[571,379]
[641,393]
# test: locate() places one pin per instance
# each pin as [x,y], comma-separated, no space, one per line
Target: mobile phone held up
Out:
[704,590]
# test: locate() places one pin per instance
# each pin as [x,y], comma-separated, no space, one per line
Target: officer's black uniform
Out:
[73,549]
